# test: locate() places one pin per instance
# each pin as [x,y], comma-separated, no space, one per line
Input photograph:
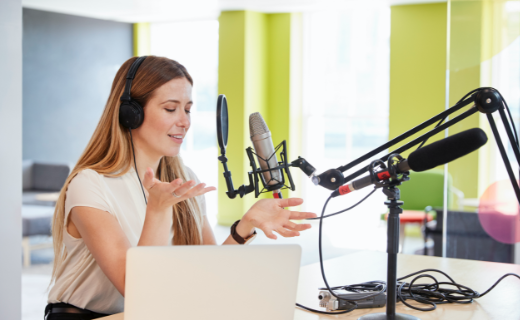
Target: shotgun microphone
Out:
[425,158]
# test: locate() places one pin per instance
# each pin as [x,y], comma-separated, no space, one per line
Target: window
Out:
[194,44]
[346,102]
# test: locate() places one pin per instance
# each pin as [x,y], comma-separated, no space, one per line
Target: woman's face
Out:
[166,119]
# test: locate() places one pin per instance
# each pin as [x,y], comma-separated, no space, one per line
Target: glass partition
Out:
[483,51]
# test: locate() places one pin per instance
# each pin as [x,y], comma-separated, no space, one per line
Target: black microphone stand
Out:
[393,224]
[394,204]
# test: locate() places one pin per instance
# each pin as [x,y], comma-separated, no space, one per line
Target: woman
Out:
[104,209]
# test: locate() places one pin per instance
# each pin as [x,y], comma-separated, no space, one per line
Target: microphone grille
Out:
[257,124]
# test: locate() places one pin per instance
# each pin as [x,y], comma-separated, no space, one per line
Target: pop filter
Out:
[222,123]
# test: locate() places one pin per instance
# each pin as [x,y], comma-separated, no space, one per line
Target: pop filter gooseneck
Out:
[222,137]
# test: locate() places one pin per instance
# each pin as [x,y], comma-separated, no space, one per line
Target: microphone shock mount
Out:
[256,174]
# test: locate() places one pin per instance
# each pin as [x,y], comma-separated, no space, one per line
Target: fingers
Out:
[198,190]
[270,234]
[290,202]
[188,189]
[287,233]
[148,181]
[289,230]
[206,190]
[297,227]
[297,215]
[182,188]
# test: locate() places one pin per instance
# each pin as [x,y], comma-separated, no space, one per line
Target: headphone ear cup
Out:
[131,114]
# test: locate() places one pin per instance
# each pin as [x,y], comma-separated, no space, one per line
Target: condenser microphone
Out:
[426,158]
[264,149]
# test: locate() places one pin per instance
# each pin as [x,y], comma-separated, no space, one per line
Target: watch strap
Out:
[236,236]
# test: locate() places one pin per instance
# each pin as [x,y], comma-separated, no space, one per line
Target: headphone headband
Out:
[130,76]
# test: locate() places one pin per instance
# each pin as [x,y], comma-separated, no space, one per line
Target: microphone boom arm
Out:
[486,100]
[412,143]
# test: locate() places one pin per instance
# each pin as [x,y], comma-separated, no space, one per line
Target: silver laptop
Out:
[228,282]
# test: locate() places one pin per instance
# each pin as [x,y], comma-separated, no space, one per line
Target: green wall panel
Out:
[422,49]
[255,75]
[142,45]
[417,65]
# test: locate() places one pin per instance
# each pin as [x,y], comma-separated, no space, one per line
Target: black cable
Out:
[471,92]
[381,286]
[349,208]
[431,294]
[135,164]
[510,118]
[326,312]
[462,99]
[321,261]
[438,124]
[498,281]
[434,294]
[321,264]
[360,287]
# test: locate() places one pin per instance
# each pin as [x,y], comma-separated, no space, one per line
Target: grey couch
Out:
[39,178]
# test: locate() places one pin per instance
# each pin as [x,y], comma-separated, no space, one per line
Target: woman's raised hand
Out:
[161,194]
[269,215]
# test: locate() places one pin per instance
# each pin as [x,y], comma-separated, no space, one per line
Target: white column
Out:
[10,158]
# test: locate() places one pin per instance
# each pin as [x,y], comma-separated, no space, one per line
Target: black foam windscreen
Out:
[447,150]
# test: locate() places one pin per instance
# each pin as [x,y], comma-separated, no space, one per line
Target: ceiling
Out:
[178,10]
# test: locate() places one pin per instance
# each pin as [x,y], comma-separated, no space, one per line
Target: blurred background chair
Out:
[41,185]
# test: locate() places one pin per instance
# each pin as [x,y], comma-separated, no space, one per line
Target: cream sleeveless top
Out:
[82,282]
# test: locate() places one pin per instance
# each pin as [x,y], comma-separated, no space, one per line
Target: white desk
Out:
[500,303]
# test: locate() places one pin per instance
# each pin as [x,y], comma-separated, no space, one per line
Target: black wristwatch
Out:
[238,238]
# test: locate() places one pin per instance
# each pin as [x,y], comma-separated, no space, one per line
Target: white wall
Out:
[10,158]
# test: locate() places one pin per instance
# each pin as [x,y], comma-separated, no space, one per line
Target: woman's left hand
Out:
[269,215]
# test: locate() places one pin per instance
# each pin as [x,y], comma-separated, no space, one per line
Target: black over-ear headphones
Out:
[131,114]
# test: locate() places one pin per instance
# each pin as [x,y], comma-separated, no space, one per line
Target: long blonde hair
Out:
[109,152]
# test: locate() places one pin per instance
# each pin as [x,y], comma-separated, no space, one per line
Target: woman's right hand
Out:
[160,194]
